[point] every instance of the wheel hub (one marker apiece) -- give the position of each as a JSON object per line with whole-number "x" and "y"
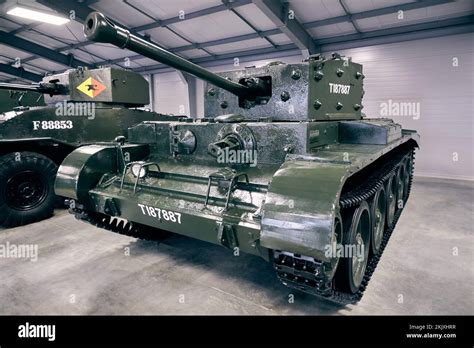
{"x": 25, "y": 190}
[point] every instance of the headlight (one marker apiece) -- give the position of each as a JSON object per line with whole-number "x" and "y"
{"x": 136, "y": 169}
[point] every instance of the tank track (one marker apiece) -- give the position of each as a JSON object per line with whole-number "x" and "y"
{"x": 307, "y": 275}
{"x": 120, "y": 226}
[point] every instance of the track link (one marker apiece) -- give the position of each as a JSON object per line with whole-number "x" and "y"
{"x": 120, "y": 226}
{"x": 307, "y": 275}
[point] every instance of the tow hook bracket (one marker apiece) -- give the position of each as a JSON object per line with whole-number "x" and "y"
{"x": 226, "y": 235}
{"x": 110, "y": 208}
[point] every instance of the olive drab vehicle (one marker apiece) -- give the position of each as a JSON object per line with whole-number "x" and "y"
{"x": 11, "y": 99}
{"x": 82, "y": 106}
{"x": 284, "y": 166}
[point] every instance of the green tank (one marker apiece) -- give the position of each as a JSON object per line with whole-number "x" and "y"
{"x": 11, "y": 99}
{"x": 43, "y": 122}
{"x": 284, "y": 166}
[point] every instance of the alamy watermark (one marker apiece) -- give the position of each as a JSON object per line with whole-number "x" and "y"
{"x": 407, "y": 109}
{"x": 229, "y": 156}
{"x": 20, "y": 251}
{"x": 337, "y": 250}
{"x": 28, "y": 330}
{"x": 65, "y": 108}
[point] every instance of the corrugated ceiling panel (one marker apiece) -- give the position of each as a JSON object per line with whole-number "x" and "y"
{"x": 6, "y": 25}
{"x": 145, "y": 61}
{"x": 280, "y": 39}
{"x": 70, "y": 32}
{"x": 193, "y": 53}
{"x": 121, "y": 12}
{"x": 166, "y": 38}
{"x": 239, "y": 46}
{"x": 355, "y": 6}
{"x": 460, "y": 8}
{"x": 417, "y": 16}
{"x": 106, "y": 51}
{"x": 47, "y": 65}
{"x": 12, "y": 52}
{"x": 216, "y": 26}
{"x": 37, "y": 68}
{"x": 256, "y": 17}
{"x": 84, "y": 56}
{"x": 332, "y": 30}
{"x": 312, "y": 10}
{"x": 167, "y": 9}
{"x": 40, "y": 39}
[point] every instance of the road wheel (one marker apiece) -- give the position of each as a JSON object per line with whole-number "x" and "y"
{"x": 400, "y": 186}
{"x": 331, "y": 267}
{"x": 378, "y": 216}
{"x": 26, "y": 188}
{"x": 390, "y": 191}
{"x": 356, "y": 237}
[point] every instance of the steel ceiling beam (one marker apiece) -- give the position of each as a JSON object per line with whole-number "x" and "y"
{"x": 346, "y": 10}
{"x": 426, "y": 26}
{"x": 278, "y": 13}
{"x": 314, "y": 24}
{"x": 40, "y": 51}
{"x": 192, "y": 15}
{"x": 226, "y": 58}
{"x": 66, "y": 6}
{"x": 377, "y": 12}
{"x": 20, "y": 72}
{"x": 453, "y": 26}
{"x": 83, "y": 10}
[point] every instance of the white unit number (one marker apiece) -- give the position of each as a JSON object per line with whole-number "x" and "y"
{"x": 160, "y": 214}
{"x": 339, "y": 89}
{"x": 64, "y": 124}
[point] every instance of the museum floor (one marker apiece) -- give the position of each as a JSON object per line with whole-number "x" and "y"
{"x": 426, "y": 269}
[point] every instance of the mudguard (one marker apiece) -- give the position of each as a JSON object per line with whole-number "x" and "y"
{"x": 82, "y": 169}
{"x": 300, "y": 207}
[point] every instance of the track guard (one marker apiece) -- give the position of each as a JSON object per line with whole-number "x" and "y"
{"x": 300, "y": 207}
{"x": 82, "y": 169}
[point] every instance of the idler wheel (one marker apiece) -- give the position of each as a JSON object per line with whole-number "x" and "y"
{"x": 356, "y": 245}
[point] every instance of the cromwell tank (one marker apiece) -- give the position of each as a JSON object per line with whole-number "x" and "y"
{"x": 82, "y": 106}
{"x": 284, "y": 166}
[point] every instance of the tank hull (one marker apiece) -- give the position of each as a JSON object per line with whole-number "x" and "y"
{"x": 287, "y": 206}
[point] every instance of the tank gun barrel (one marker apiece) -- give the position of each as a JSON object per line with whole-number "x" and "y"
{"x": 99, "y": 28}
{"x": 45, "y": 88}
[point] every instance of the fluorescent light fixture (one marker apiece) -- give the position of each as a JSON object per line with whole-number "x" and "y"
{"x": 37, "y": 15}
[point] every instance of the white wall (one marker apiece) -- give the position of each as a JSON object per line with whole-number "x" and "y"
{"x": 418, "y": 71}
{"x": 171, "y": 94}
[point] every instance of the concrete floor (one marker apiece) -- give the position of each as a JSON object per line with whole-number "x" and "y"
{"x": 84, "y": 270}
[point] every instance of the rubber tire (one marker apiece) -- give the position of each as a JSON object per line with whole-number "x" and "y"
{"x": 10, "y": 217}
{"x": 344, "y": 279}
{"x": 374, "y": 249}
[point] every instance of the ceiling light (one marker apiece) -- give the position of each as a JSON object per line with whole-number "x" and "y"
{"x": 37, "y": 15}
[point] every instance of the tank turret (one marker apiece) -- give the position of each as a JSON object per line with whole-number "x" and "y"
{"x": 316, "y": 89}
{"x": 101, "y": 85}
